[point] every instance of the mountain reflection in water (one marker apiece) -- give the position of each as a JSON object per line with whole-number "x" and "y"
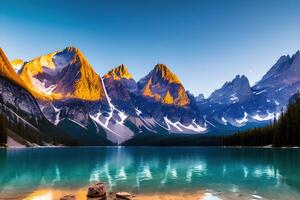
{"x": 271, "y": 173}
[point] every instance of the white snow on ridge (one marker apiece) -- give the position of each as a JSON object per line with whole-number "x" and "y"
{"x": 192, "y": 127}
{"x": 175, "y": 125}
{"x": 112, "y": 133}
{"x": 233, "y": 98}
{"x": 280, "y": 89}
{"x": 270, "y": 116}
{"x": 41, "y": 86}
{"x": 224, "y": 120}
{"x": 243, "y": 120}
{"x": 138, "y": 112}
{"x": 96, "y": 119}
{"x": 112, "y": 108}
{"x": 260, "y": 92}
{"x": 123, "y": 117}
{"x": 195, "y": 127}
{"x": 57, "y": 113}
{"x": 209, "y": 123}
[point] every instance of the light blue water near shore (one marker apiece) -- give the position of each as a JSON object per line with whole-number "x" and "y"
{"x": 269, "y": 173}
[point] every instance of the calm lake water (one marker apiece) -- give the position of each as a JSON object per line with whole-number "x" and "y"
{"x": 225, "y": 173}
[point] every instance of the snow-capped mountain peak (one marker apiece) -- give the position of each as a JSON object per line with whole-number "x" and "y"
{"x": 63, "y": 74}
{"x": 236, "y": 90}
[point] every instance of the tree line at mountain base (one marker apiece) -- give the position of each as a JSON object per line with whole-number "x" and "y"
{"x": 283, "y": 132}
{"x": 3, "y": 130}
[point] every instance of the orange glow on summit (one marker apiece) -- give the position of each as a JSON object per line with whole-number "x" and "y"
{"x": 164, "y": 86}
{"x": 119, "y": 73}
{"x": 77, "y": 79}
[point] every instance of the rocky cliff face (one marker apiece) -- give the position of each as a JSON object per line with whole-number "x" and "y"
{"x": 162, "y": 98}
{"x": 65, "y": 86}
{"x": 163, "y": 86}
{"x": 26, "y": 121}
{"x": 120, "y": 88}
{"x": 7, "y": 70}
{"x": 281, "y": 81}
{"x": 63, "y": 75}
{"x": 237, "y": 90}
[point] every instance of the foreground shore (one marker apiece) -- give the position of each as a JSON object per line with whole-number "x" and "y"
{"x": 81, "y": 194}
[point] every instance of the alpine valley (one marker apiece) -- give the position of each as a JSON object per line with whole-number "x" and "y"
{"x": 59, "y": 99}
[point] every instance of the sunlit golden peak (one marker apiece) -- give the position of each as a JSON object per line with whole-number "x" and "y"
{"x": 72, "y": 49}
{"x": 119, "y": 72}
{"x": 166, "y": 73}
{"x": 17, "y": 64}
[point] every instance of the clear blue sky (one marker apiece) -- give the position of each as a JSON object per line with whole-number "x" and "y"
{"x": 204, "y": 42}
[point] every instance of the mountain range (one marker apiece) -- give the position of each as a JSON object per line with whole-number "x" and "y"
{"x": 60, "y": 99}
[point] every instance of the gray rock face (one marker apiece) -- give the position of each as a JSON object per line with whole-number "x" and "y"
{"x": 281, "y": 81}
{"x": 97, "y": 190}
{"x": 120, "y": 91}
{"x": 200, "y": 98}
{"x": 15, "y": 96}
{"x": 237, "y": 90}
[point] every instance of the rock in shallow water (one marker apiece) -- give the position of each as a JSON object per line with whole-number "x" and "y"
{"x": 68, "y": 197}
{"x": 97, "y": 190}
{"x": 124, "y": 195}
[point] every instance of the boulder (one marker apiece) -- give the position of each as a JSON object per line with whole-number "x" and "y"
{"x": 68, "y": 197}
{"x": 97, "y": 190}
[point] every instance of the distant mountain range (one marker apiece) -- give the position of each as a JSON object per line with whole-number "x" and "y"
{"x": 63, "y": 90}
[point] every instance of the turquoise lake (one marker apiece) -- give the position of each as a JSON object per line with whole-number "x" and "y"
{"x": 225, "y": 173}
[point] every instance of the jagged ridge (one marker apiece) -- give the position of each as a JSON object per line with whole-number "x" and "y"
{"x": 63, "y": 75}
{"x": 164, "y": 86}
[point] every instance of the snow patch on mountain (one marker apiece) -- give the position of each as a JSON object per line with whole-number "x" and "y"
{"x": 269, "y": 116}
{"x": 195, "y": 127}
{"x": 138, "y": 112}
{"x": 191, "y": 128}
{"x": 243, "y": 120}
{"x": 57, "y": 114}
{"x": 42, "y": 86}
{"x": 224, "y": 120}
{"x": 173, "y": 124}
{"x": 260, "y": 92}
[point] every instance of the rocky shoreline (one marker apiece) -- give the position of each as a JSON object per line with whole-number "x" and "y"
{"x": 98, "y": 191}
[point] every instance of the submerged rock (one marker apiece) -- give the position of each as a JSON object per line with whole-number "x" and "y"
{"x": 123, "y": 195}
{"x": 68, "y": 197}
{"x": 97, "y": 190}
